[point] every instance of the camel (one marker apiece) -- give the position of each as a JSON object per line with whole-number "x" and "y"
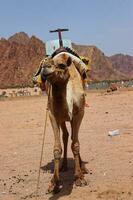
{"x": 66, "y": 102}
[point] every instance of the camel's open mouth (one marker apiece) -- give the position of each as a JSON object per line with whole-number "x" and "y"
{"x": 48, "y": 75}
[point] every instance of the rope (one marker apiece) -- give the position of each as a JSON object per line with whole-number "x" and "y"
{"x": 44, "y": 133}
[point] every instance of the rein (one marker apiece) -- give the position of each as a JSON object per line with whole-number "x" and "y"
{"x": 42, "y": 147}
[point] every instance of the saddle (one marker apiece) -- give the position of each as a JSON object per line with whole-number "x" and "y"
{"x": 81, "y": 64}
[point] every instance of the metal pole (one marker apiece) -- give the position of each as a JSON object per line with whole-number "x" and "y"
{"x": 60, "y": 39}
{"x": 59, "y": 31}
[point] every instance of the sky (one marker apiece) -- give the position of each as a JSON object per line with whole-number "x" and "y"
{"x": 107, "y": 24}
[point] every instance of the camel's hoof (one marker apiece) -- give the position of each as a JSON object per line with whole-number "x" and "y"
{"x": 57, "y": 189}
{"x": 50, "y": 189}
{"x": 54, "y": 188}
{"x": 84, "y": 170}
{"x": 80, "y": 182}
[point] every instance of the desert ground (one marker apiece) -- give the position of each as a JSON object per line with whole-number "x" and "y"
{"x": 108, "y": 158}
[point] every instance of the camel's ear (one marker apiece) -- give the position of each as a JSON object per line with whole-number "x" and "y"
{"x": 69, "y": 61}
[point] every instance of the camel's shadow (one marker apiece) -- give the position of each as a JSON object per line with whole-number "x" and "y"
{"x": 67, "y": 178}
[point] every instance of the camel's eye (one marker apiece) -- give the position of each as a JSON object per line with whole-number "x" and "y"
{"x": 48, "y": 66}
{"x": 62, "y": 66}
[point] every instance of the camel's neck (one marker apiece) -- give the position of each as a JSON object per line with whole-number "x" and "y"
{"x": 60, "y": 105}
{"x": 59, "y": 94}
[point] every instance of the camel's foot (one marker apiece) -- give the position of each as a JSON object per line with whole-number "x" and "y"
{"x": 81, "y": 182}
{"x": 54, "y": 188}
{"x": 84, "y": 169}
{"x": 64, "y": 167}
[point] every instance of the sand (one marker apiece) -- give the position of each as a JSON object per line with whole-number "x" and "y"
{"x": 109, "y": 159}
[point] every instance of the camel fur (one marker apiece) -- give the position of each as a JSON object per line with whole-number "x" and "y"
{"x": 66, "y": 103}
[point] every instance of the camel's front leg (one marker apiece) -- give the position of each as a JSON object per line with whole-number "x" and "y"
{"x": 65, "y": 142}
{"x": 55, "y": 181}
{"x": 75, "y": 124}
{"x": 83, "y": 167}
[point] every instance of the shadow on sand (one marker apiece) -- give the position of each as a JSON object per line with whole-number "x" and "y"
{"x": 67, "y": 178}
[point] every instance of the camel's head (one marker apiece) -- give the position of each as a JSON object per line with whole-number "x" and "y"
{"x": 55, "y": 70}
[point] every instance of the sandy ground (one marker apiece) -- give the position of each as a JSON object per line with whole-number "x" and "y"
{"x": 110, "y": 159}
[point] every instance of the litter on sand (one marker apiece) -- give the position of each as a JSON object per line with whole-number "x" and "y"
{"x": 114, "y": 133}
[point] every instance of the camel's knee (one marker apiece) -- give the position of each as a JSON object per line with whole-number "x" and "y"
{"x": 57, "y": 153}
{"x": 75, "y": 148}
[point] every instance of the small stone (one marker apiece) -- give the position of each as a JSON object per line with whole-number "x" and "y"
{"x": 14, "y": 193}
{"x": 3, "y": 193}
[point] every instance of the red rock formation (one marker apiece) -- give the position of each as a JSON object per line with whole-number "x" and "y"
{"x": 20, "y": 56}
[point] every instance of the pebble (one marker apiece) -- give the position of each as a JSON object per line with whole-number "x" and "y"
{"x": 3, "y": 192}
{"x": 26, "y": 175}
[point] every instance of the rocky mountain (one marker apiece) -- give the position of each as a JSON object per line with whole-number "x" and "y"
{"x": 101, "y": 66}
{"x": 20, "y": 38}
{"x": 123, "y": 63}
{"x": 20, "y": 56}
